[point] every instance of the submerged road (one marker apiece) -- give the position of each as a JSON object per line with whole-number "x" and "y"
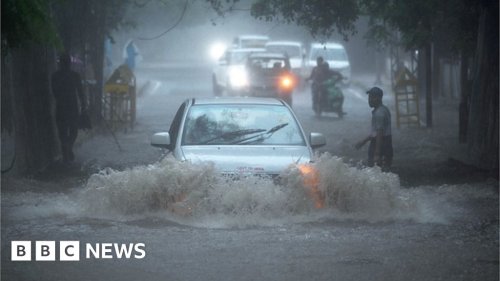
{"x": 375, "y": 228}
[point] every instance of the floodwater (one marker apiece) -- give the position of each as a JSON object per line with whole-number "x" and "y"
{"x": 198, "y": 225}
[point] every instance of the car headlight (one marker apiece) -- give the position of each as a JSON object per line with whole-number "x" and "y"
{"x": 238, "y": 78}
{"x": 217, "y": 50}
{"x": 311, "y": 182}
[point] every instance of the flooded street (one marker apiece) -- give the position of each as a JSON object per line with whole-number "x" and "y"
{"x": 198, "y": 225}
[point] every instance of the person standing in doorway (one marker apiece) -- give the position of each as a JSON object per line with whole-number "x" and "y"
{"x": 380, "y": 151}
{"x": 68, "y": 93}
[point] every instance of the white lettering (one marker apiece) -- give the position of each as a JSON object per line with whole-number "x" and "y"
{"x": 123, "y": 249}
{"x": 107, "y": 250}
{"x": 92, "y": 250}
{"x": 141, "y": 249}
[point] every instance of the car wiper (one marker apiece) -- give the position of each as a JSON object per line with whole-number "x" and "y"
{"x": 234, "y": 134}
{"x": 261, "y": 136}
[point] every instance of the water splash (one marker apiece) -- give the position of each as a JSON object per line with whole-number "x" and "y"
{"x": 197, "y": 190}
{"x": 197, "y": 195}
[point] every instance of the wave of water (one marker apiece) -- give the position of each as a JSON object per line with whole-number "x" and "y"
{"x": 196, "y": 194}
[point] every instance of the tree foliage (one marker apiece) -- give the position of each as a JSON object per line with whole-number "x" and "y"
{"x": 417, "y": 21}
{"x": 25, "y": 21}
{"x": 453, "y": 22}
{"x": 322, "y": 17}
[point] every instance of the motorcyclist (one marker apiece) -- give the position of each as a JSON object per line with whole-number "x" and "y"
{"x": 318, "y": 75}
{"x": 330, "y": 92}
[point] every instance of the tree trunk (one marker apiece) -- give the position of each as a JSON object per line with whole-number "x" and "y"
{"x": 32, "y": 103}
{"x": 482, "y": 137}
{"x": 428, "y": 85}
{"x": 463, "y": 108}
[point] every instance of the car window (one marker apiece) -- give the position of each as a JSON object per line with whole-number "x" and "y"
{"x": 238, "y": 57}
{"x": 291, "y": 51}
{"x": 241, "y": 125}
{"x": 267, "y": 63}
{"x": 329, "y": 54}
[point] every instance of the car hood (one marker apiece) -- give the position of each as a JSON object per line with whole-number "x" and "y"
{"x": 270, "y": 160}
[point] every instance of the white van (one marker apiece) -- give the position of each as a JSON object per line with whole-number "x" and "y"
{"x": 335, "y": 55}
{"x": 250, "y": 41}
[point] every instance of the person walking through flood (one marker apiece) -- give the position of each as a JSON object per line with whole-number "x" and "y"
{"x": 68, "y": 93}
{"x": 380, "y": 151}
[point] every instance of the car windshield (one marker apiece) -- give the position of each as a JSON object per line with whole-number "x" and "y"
{"x": 290, "y": 50}
{"x": 241, "y": 125}
{"x": 257, "y": 63}
{"x": 329, "y": 54}
{"x": 238, "y": 57}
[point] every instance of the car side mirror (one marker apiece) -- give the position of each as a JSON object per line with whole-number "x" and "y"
{"x": 317, "y": 140}
{"x": 161, "y": 140}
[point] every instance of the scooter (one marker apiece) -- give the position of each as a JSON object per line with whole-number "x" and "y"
{"x": 328, "y": 97}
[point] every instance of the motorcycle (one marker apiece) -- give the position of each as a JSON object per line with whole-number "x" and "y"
{"x": 328, "y": 96}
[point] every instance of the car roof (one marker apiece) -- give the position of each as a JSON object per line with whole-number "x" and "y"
{"x": 246, "y": 50}
{"x": 329, "y": 45}
{"x": 252, "y": 37}
{"x": 287, "y": 43}
{"x": 237, "y": 100}
{"x": 267, "y": 55}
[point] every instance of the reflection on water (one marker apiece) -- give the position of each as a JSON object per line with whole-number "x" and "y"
{"x": 197, "y": 195}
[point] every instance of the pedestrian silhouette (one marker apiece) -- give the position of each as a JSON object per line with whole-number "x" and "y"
{"x": 131, "y": 54}
{"x": 68, "y": 93}
{"x": 380, "y": 151}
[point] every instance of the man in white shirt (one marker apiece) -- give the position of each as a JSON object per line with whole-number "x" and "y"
{"x": 380, "y": 151}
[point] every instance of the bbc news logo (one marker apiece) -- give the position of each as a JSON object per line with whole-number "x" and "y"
{"x": 70, "y": 250}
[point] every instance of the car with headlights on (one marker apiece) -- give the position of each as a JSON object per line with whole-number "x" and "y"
{"x": 241, "y": 136}
{"x": 270, "y": 75}
{"x": 228, "y": 76}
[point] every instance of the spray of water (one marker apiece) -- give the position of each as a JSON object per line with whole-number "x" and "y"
{"x": 197, "y": 195}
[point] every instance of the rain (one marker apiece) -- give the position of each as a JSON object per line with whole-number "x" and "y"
{"x": 432, "y": 216}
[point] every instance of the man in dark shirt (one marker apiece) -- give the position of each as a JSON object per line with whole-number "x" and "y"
{"x": 380, "y": 151}
{"x": 68, "y": 93}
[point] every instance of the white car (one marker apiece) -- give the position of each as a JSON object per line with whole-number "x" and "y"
{"x": 240, "y": 135}
{"x": 293, "y": 50}
{"x": 229, "y": 72}
{"x": 270, "y": 75}
{"x": 336, "y": 57}
{"x": 250, "y": 41}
